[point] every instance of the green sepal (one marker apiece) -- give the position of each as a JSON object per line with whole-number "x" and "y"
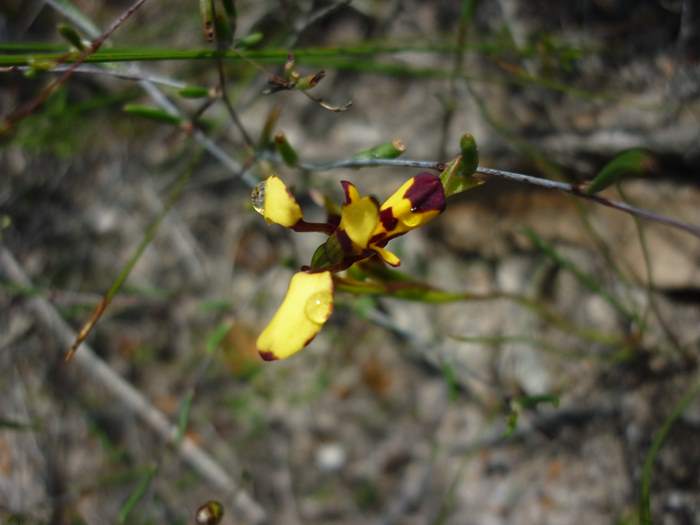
{"x": 454, "y": 181}
{"x": 329, "y": 254}
{"x": 387, "y": 150}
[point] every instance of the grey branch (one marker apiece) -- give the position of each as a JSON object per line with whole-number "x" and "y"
{"x": 100, "y": 372}
{"x": 565, "y": 187}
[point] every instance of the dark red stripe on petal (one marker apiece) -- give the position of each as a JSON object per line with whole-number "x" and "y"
{"x": 426, "y": 193}
{"x": 387, "y": 219}
{"x": 377, "y": 238}
{"x": 268, "y": 356}
{"x": 346, "y": 189}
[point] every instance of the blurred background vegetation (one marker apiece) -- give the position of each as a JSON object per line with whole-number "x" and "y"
{"x": 559, "y": 388}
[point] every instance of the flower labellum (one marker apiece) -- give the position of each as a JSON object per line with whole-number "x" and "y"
{"x": 304, "y": 310}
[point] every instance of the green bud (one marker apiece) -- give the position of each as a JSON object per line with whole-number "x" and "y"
{"x": 388, "y": 150}
{"x": 470, "y": 154}
{"x": 153, "y": 113}
{"x": 309, "y": 81}
{"x": 71, "y": 35}
{"x": 286, "y": 151}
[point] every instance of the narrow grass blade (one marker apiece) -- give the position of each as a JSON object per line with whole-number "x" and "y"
{"x": 183, "y": 416}
{"x": 657, "y": 443}
{"x": 582, "y": 277}
{"x": 137, "y": 495}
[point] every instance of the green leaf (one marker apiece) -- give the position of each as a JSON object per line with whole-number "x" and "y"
{"x": 71, "y": 35}
{"x": 388, "y": 150}
{"x": 153, "y": 113}
{"x": 249, "y": 40}
{"x": 408, "y": 291}
{"x": 286, "y": 150}
{"x": 632, "y": 162}
{"x": 194, "y": 92}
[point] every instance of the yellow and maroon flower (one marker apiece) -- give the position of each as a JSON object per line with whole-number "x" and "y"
{"x": 363, "y": 230}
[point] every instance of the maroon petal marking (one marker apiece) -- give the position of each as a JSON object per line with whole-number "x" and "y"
{"x": 345, "y": 184}
{"x": 268, "y": 356}
{"x": 377, "y": 238}
{"x": 426, "y": 193}
{"x": 386, "y": 217}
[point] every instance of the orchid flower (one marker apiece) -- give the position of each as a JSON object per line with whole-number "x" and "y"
{"x": 362, "y": 231}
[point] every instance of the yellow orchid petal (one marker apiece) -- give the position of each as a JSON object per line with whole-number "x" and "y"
{"x": 304, "y": 310}
{"x": 359, "y": 219}
{"x": 278, "y": 204}
{"x": 351, "y": 192}
{"x": 387, "y": 256}
{"x": 417, "y": 201}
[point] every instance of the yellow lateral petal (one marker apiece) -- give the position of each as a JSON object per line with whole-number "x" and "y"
{"x": 280, "y": 206}
{"x": 388, "y": 257}
{"x": 359, "y": 220}
{"x": 304, "y": 310}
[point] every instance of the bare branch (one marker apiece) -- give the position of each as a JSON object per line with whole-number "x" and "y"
{"x": 565, "y": 187}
